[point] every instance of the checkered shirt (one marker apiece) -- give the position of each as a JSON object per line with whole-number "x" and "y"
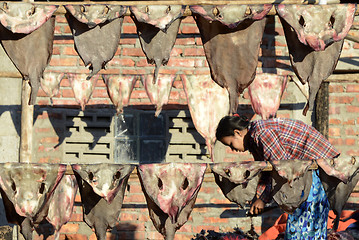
{"x": 286, "y": 139}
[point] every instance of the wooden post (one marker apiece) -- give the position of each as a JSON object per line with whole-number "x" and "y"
{"x": 322, "y": 109}
{"x": 27, "y": 118}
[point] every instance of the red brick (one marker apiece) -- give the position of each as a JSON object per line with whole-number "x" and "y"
{"x": 139, "y": 94}
{"x": 49, "y": 140}
{"x": 188, "y": 19}
{"x": 349, "y": 122}
{"x": 335, "y": 88}
{"x": 56, "y": 51}
{"x": 176, "y": 52}
{"x": 209, "y": 190}
{"x": 220, "y": 201}
{"x": 197, "y": 229}
{"x": 185, "y": 41}
{"x": 100, "y": 83}
{"x": 352, "y": 109}
{"x": 142, "y": 63}
{"x": 350, "y": 141}
{"x": 341, "y": 99}
{"x": 194, "y": 52}
{"x": 199, "y": 41}
{"x": 181, "y": 62}
{"x": 60, "y": 102}
{"x": 154, "y": 236}
{"x": 44, "y": 160}
{"x": 78, "y": 198}
{"x": 334, "y": 110}
{"x": 336, "y": 141}
{"x": 65, "y": 82}
{"x": 67, "y": 29}
{"x": 60, "y": 19}
{"x": 167, "y": 71}
{"x": 110, "y": 71}
{"x": 354, "y": 194}
{"x": 182, "y": 236}
{"x": 43, "y": 102}
{"x": 279, "y": 31}
{"x": 334, "y": 132}
{"x": 93, "y": 236}
{"x": 41, "y": 93}
{"x": 280, "y": 43}
{"x": 135, "y": 189}
{"x": 76, "y": 217}
{"x": 100, "y": 93}
{"x": 67, "y": 93}
{"x": 137, "y": 198}
{"x": 69, "y": 51}
{"x": 128, "y": 216}
{"x": 137, "y": 52}
{"x": 129, "y": 29}
{"x": 215, "y": 220}
{"x": 93, "y": 102}
{"x": 283, "y": 115}
{"x": 43, "y": 130}
{"x": 131, "y": 71}
{"x": 127, "y": 19}
{"x": 351, "y": 132}
{"x": 76, "y": 237}
{"x": 335, "y": 121}
{"x": 121, "y": 62}
{"x": 63, "y": 61}
{"x": 70, "y": 228}
{"x": 128, "y": 41}
{"x": 189, "y": 29}
{"x": 352, "y": 88}
{"x": 178, "y": 84}
{"x": 63, "y": 41}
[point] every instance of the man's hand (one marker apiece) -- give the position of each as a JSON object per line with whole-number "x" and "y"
{"x": 257, "y": 207}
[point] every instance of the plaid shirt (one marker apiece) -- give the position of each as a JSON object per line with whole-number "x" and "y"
{"x": 285, "y": 139}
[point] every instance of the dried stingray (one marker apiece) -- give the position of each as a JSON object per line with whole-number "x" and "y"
{"x": 238, "y": 180}
{"x": 207, "y": 103}
{"x": 27, "y": 29}
{"x": 337, "y": 191}
{"x": 157, "y": 28}
{"x": 50, "y": 83}
{"x": 119, "y": 88}
{"x": 231, "y": 38}
{"x": 82, "y": 88}
{"x": 290, "y": 196}
{"x": 96, "y": 30}
{"x": 291, "y": 169}
{"x": 265, "y": 93}
{"x": 26, "y": 190}
{"x": 315, "y": 36}
{"x": 24, "y": 17}
{"x": 171, "y": 191}
{"x": 102, "y": 189}
{"x": 158, "y": 93}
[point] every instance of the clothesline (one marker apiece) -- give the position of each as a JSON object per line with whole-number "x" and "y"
{"x": 61, "y": 10}
{"x": 268, "y": 168}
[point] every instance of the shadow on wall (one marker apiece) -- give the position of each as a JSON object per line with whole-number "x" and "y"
{"x": 124, "y": 231}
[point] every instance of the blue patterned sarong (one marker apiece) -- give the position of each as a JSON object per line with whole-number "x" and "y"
{"x": 309, "y": 221}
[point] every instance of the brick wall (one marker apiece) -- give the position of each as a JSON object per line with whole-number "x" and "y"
{"x": 212, "y": 210}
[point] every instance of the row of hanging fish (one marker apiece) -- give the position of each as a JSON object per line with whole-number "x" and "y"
{"x": 34, "y": 192}
{"x": 231, "y": 36}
